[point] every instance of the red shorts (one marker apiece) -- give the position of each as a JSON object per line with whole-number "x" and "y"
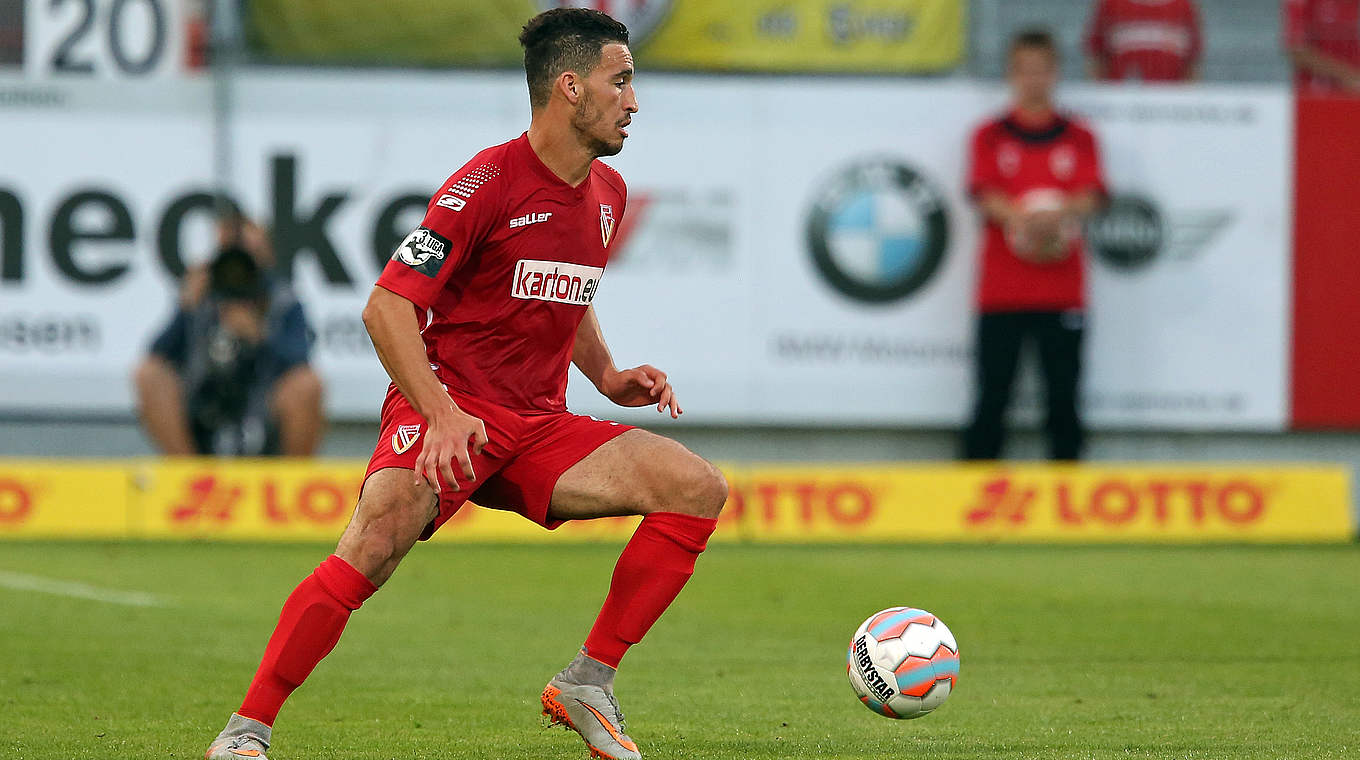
{"x": 518, "y": 468}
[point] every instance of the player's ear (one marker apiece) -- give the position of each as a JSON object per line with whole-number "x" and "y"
{"x": 570, "y": 86}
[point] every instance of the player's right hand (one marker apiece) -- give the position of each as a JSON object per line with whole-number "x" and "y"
{"x": 447, "y": 437}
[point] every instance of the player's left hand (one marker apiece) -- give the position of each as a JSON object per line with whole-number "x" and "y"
{"x": 641, "y": 386}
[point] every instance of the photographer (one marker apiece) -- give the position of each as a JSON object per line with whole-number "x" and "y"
{"x": 229, "y": 376}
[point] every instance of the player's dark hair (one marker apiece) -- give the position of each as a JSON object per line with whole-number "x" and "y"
{"x": 1035, "y": 38}
{"x": 565, "y": 39}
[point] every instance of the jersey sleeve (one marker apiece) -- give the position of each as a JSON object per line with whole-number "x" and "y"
{"x": 459, "y": 217}
{"x": 983, "y": 172}
{"x": 1295, "y": 23}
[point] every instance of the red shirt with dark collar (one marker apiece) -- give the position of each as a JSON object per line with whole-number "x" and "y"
{"x": 1020, "y": 160}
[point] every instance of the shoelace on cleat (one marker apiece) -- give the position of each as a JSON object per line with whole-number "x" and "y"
{"x": 618, "y": 712}
{"x": 238, "y": 742}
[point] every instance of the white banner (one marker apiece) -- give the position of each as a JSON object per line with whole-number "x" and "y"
{"x": 103, "y": 39}
{"x": 794, "y": 251}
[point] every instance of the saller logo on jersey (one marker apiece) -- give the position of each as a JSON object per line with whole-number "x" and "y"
{"x": 423, "y": 250}
{"x": 555, "y": 281}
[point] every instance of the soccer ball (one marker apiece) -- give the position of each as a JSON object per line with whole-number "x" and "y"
{"x": 903, "y": 662}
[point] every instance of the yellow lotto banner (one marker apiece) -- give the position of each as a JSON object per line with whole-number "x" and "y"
{"x": 298, "y": 501}
{"x": 46, "y": 498}
{"x": 1042, "y": 503}
{"x": 292, "y": 501}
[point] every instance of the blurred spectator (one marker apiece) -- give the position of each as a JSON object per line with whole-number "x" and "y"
{"x": 1322, "y": 38}
{"x": 229, "y": 375}
{"x": 1035, "y": 175}
{"x": 197, "y": 34}
{"x": 11, "y": 32}
{"x": 1148, "y": 40}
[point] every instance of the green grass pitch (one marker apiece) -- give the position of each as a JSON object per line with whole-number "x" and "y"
{"x": 1084, "y": 652}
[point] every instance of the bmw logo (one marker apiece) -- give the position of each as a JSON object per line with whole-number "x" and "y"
{"x": 879, "y": 231}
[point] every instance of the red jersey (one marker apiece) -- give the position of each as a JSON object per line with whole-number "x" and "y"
{"x": 1330, "y": 26}
{"x": 1151, "y": 40}
{"x": 501, "y": 272}
{"x": 1026, "y": 162}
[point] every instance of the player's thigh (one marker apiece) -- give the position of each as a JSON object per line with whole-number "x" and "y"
{"x": 392, "y": 513}
{"x": 638, "y": 473}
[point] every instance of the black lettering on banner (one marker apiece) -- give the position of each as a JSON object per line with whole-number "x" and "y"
{"x": 62, "y": 58}
{"x": 293, "y": 234}
{"x": 64, "y": 234}
{"x": 390, "y": 229}
{"x": 11, "y": 237}
{"x": 48, "y": 333}
{"x": 168, "y": 234}
{"x": 155, "y": 49}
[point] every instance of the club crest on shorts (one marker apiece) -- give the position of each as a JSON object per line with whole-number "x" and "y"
{"x": 405, "y": 438}
{"x": 606, "y": 223}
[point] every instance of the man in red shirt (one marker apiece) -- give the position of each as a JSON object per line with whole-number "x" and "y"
{"x": 1150, "y": 40}
{"x": 476, "y": 318}
{"x": 1322, "y": 38}
{"x": 1035, "y": 175}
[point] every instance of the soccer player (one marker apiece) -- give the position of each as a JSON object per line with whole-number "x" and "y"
{"x": 476, "y": 319}
{"x": 1035, "y": 175}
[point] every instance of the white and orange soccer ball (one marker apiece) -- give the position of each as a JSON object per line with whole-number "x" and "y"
{"x": 903, "y": 662}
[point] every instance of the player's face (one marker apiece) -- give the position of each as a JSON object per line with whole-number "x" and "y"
{"x": 1033, "y": 76}
{"x": 608, "y": 103}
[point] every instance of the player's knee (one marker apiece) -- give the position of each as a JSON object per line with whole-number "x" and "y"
{"x": 371, "y": 551}
{"x": 705, "y": 490}
{"x": 381, "y": 533}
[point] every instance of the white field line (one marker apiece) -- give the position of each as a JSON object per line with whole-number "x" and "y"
{"x": 25, "y": 582}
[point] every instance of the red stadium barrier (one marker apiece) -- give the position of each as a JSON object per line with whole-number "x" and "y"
{"x": 1326, "y": 353}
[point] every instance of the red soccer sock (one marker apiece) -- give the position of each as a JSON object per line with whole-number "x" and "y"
{"x": 654, "y": 566}
{"x": 309, "y": 625}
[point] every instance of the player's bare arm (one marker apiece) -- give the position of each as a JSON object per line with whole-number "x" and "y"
{"x": 997, "y": 206}
{"x": 395, "y": 330}
{"x": 1082, "y": 204}
{"x": 1309, "y": 58}
{"x": 1045, "y": 223}
{"x": 638, "y": 386}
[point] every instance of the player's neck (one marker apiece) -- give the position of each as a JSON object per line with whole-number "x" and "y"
{"x": 1037, "y": 114}
{"x": 561, "y": 153}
